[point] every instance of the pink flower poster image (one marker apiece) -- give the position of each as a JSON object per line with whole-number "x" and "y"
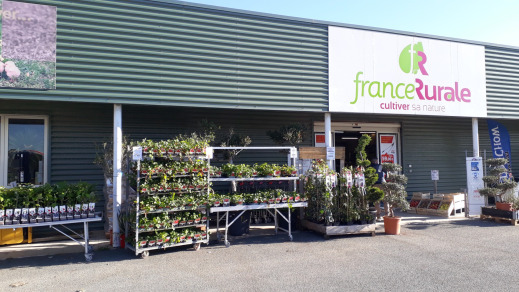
{"x": 28, "y": 46}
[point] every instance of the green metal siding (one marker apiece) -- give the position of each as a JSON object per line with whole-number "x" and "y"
{"x": 436, "y": 143}
{"x": 146, "y": 52}
{"x": 502, "y": 73}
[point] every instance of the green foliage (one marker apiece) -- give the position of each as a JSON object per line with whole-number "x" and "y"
{"x": 360, "y": 151}
{"x": 29, "y": 196}
{"x": 374, "y": 194}
{"x": 394, "y": 188}
{"x": 292, "y": 134}
{"x": 498, "y": 183}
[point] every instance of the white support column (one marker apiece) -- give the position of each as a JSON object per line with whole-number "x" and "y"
{"x": 328, "y": 134}
{"x": 475, "y": 137}
{"x": 118, "y": 174}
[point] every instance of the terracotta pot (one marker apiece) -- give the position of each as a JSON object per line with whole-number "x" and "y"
{"x": 392, "y": 225}
{"x": 504, "y": 206}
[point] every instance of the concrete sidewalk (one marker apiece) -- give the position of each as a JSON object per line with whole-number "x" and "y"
{"x": 99, "y": 241}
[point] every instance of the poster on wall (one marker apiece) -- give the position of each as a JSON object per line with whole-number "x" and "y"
{"x": 388, "y": 148}
{"x": 474, "y": 184}
{"x": 28, "y": 45}
{"x": 384, "y": 73}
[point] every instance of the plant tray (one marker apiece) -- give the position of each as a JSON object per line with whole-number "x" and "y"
{"x": 499, "y": 215}
{"x": 328, "y": 231}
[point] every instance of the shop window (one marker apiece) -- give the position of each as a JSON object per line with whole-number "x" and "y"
{"x": 24, "y": 150}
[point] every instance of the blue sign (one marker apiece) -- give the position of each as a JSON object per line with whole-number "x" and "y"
{"x": 500, "y": 141}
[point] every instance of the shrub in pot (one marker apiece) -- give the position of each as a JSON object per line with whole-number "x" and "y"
{"x": 499, "y": 184}
{"x": 394, "y": 196}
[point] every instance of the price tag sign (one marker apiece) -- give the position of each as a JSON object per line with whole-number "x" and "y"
{"x": 435, "y": 175}
{"x": 209, "y": 152}
{"x": 293, "y": 153}
{"x": 330, "y": 153}
{"x": 137, "y": 153}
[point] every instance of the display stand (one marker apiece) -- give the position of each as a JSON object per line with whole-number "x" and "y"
{"x": 272, "y": 209}
{"x": 243, "y": 208}
{"x": 54, "y": 225}
{"x": 143, "y": 249}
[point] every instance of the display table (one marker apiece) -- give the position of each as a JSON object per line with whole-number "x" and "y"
{"x": 243, "y": 208}
{"x": 54, "y": 225}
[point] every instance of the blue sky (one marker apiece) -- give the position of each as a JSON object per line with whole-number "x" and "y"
{"x": 491, "y": 21}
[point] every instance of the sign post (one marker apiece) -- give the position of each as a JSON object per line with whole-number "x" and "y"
{"x": 435, "y": 177}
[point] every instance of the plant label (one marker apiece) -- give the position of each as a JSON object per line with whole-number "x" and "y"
{"x": 77, "y": 211}
{"x": 55, "y": 213}
{"x": 25, "y": 215}
{"x": 91, "y": 210}
{"x": 8, "y": 216}
{"x": 48, "y": 214}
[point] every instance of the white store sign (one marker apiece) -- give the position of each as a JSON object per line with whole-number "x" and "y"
{"x": 374, "y": 72}
{"x": 474, "y": 184}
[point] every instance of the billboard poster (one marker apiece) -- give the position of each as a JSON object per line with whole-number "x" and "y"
{"x": 474, "y": 184}
{"x": 28, "y": 45}
{"x": 388, "y": 148}
{"x": 384, "y": 73}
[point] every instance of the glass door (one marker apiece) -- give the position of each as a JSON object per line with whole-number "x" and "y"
{"x": 25, "y": 155}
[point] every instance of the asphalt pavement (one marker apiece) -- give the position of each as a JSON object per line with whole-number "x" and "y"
{"x": 430, "y": 255}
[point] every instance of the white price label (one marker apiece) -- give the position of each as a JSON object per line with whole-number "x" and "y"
{"x": 209, "y": 152}
{"x": 435, "y": 175}
{"x": 293, "y": 153}
{"x": 137, "y": 153}
{"x": 330, "y": 153}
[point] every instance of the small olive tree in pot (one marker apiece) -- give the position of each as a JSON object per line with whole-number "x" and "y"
{"x": 395, "y": 196}
{"x": 499, "y": 185}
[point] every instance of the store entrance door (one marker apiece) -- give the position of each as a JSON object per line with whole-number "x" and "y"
{"x": 349, "y": 140}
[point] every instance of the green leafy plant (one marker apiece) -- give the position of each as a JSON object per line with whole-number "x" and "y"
{"x": 498, "y": 183}
{"x": 292, "y": 134}
{"x": 394, "y": 188}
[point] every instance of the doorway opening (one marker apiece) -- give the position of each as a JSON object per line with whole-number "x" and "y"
{"x": 349, "y": 140}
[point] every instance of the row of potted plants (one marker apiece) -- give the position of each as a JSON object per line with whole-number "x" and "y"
{"x": 171, "y": 238}
{"x": 256, "y": 170}
{"x": 170, "y": 221}
{"x": 275, "y": 196}
{"x": 172, "y": 203}
{"x": 179, "y": 146}
{"x": 35, "y": 204}
{"x": 151, "y": 168}
{"x": 176, "y": 185}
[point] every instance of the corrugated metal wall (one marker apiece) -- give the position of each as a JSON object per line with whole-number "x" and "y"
{"x": 502, "y": 72}
{"x": 148, "y": 52}
{"x": 432, "y": 143}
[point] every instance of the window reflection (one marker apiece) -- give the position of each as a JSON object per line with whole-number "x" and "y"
{"x": 25, "y": 151}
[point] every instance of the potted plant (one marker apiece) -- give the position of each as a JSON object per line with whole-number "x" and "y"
{"x": 394, "y": 196}
{"x": 499, "y": 184}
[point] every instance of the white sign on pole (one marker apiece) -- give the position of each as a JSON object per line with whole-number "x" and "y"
{"x": 330, "y": 153}
{"x": 435, "y": 174}
{"x": 209, "y": 152}
{"x": 293, "y": 153}
{"x": 474, "y": 184}
{"x": 137, "y": 153}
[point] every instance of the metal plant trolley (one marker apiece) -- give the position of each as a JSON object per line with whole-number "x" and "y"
{"x": 88, "y": 248}
{"x": 143, "y": 251}
{"x": 272, "y": 209}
